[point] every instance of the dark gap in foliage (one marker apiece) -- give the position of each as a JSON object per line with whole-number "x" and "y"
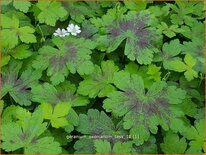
{"x": 159, "y": 139}
{"x": 191, "y": 119}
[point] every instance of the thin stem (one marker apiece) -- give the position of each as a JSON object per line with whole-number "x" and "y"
{"x": 42, "y": 34}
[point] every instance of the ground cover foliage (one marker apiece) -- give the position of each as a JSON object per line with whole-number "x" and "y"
{"x": 102, "y": 77}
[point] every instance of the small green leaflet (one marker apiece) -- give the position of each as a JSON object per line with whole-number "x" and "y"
{"x": 170, "y": 31}
{"x": 56, "y": 115}
{"x": 196, "y": 49}
{"x": 11, "y": 32}
{"x": 186, "y": 67}
{"x": 27, "y": 135}
{"x": 100, "y": 82}
{"x": 71, "y": 55}
{"x": 49, "y": 12}
{"x": 170, "y": 52}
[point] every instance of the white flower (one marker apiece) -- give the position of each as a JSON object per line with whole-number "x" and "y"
{"x": 73, "y": 29}
{"x": 61, "y": 33}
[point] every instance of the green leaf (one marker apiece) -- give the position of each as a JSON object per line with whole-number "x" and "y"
{"x": 72, "y": 54}
{"x": 142, "y": 111}
{"x": 196, "y": 49}
{"x": 102, "y": 146}
{"x": 12, "y": 32}
{"x": 169, "y": 31}
{"x": 173, "y": 144}
{"x": 177, "y": 65}
{"x": 18, "y": 87}
{"x": 65, "y": 92}
{"x": 26, "y": 34}
{"x": 27, "y": 136}
{"x": 129, "y": 28}
{"x": 78, "y": 11}
{"x": 190, "y": 74}
{"x": 20, "y": 52}
{"x": 56, "y": 115}
{"x": 1, "y": 106}
{"x": 15, "y": 114}
{"x": 196, "y": 136}
{"x": 154, "y": 72}
{"x": 170, "y": 53}
{"x": 189, "y": 107}
{"x": 136, "y": 6}
{"x": 84, "y": 146}
{"x": 183, "y": 12}
{"x": 22, "y": 5}
{"x": 97, "y": 124}
{"x": 148, "y": 147}
{"x": 50, "y": 12}
{"x": 100, "y": 82}
{"x": 120, "y": 148}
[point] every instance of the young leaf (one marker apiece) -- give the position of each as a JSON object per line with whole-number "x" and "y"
{"x": 50, "y": 12}
{"x": 179, "y": 66}
{"x": 154, "y": 72}
{"x": 56, "y": 115}
{"x": 173, "y": 144}
{"x": 27, "y": 135}
{"x": 170, "y": 53}
{"x": 142, "y": 111}
{"x": 18, "y": 87}
{"x": 196, "y": 49}
{"x": 100, "y": 82}
{"x": 12, "y": 32}
{"x": 190, "y": 74}
{"x": 183, "y": 13}
{"x": 72, "y": 54}
{"x": 169, "y": 31}
{"x": 47, "y": 93}
{"x": 131, "y": 28}
{"x": 22, "y": 5}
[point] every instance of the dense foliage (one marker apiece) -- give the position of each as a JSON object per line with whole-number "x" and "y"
{"x": 102, "y": 77}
